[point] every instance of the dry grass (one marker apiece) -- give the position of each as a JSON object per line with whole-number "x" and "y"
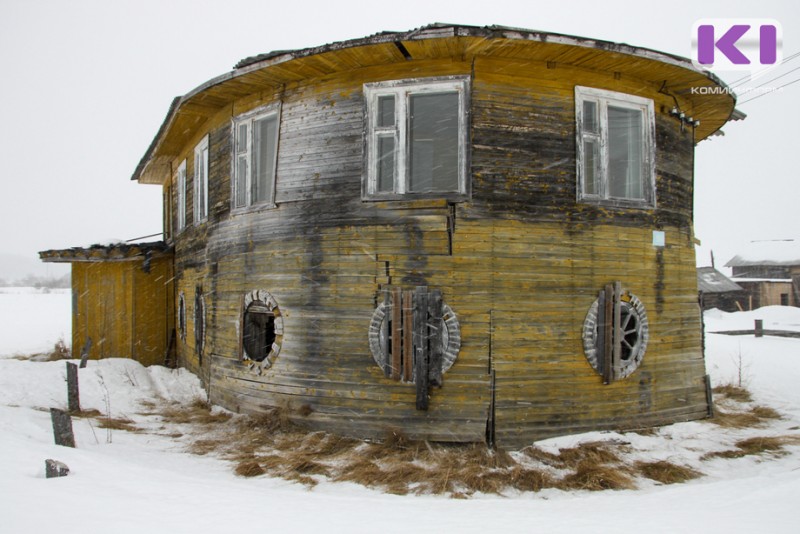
{"x": 756, "y": 446}
{"x": 271, "y": 445}
{"x": 666, "y": 472}
{"x": 60, "y": 352}
{"x": 198, "y": 412}
{"x": 735, "y": 393}
{"x": 598, "y": 477}
{"x": 249, "y": 468}
{"x": 117, "y": 423}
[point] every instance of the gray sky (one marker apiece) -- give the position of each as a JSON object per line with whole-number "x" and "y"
{"x": 86, "y": 84}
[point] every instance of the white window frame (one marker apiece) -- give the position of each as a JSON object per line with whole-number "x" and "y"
{"x": 201, "y": 157}
{"x": 401, "y": 90}
{"x": 247, "y": 120}
{"x": 180, "y": 184}
{"x": 603, "y": 98}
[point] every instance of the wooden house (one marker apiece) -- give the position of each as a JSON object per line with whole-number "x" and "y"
{"x": 463, "y": 233}
{"x": 769, "y": 272}
{"x": 718, "y": 291}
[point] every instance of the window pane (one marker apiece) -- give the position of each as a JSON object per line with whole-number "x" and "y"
{"x": 386, "y": 158}
{"x": 589, "y": 116}
{"x": 433, "y": 142}
{"x": 265, "y": 144}
{"x": 625, "y": 153}
{"x": 241, "y": 139}
{"x": 241, "y": 181}
{"x": 386, "y": 110}
{"x": 591, "y": 167}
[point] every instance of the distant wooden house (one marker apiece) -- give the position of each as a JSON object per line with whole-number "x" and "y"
{"x": 464, "y": 233}
{"x": 769, "y": 272}
{"x": 718, "y": 291}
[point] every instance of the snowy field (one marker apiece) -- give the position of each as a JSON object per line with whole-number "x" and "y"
{"x": 146, "y": 482}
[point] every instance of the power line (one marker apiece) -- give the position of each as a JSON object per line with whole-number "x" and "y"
{"x": 776, "y": 78}
{"x": 745, "y": 79}
{"x": 763, "y": 94}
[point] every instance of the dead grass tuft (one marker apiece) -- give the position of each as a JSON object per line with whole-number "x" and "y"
{"x": 736, "y": 393}
{"x": 249, "y": 468}
{"x": 597, "y": 477}
{"x": 755, "y": 446}
{"x": 590, "y": 452}
{"x": 87, "y": 413}
{"x": 753, "y": 417}
{"x": 202, "y": 447}
{"x": 199, "y": 412}
{"x": 118, "y": 423}
{"x": 666, "y": 472}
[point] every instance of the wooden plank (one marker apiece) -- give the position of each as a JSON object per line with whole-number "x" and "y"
{"x": 435, "y": 336}
{"x": 408, "y": 336}
{"x": 421, "y": 351}
{"x": 397, "y": 332}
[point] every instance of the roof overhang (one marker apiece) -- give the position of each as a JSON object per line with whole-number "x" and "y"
{"x": 700, "y": 92}
{"x": 105, "y": 253}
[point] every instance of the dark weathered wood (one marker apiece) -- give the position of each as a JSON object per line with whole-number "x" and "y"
{"x": 397, "y": 332}
{"x": 408, "y": 336}
{"x": 385, "y": 333}
{"x": 73, "y": 391}
{"x": 709, "y": 395}
{"x": 435, "y": 326}
{"x": 85, "y": 352}
{"x": 170, "y": 360}
{"x": 759, "y": 328}
{"x": 55, "y": 469}
{"x": 62, "y": 428}
{"x": 617, "y": 335}
{"x": 421, "y": 349}
{"x": 608, "y": 334}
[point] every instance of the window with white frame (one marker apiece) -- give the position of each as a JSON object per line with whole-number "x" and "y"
{"x": 416, "y": 138}
{"x": 255, "y": 154}
{"x": 201, "y": 181}
{"x": 615, "y": 148}
{"x": 180, "y": 221}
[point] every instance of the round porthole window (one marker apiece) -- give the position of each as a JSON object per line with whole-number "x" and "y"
{"x": 262, "y": 329}
{"x": 630, "y": 325}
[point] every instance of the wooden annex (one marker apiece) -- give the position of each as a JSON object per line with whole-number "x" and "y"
{"x": 122, "y": 299}
{"x": 463, "y": 233}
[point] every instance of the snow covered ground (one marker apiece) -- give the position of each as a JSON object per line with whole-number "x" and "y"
{"x": 146, "y": 482}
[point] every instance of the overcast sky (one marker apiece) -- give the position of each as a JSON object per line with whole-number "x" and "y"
{"x": 86, "y": 85}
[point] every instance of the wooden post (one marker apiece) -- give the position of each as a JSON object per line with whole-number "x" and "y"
{"x": 62, "y": 428}
{"x": 85, "y": 352}
{"x": 73, "y": 394}
{"x": 54, "y": 469}
{"x": 759, "y": 329}
{"x": 421, "y": 363}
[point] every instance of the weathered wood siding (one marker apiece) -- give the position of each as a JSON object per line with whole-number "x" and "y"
{"x": 520, "y": 264}
{"x": 127, "y": 312}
